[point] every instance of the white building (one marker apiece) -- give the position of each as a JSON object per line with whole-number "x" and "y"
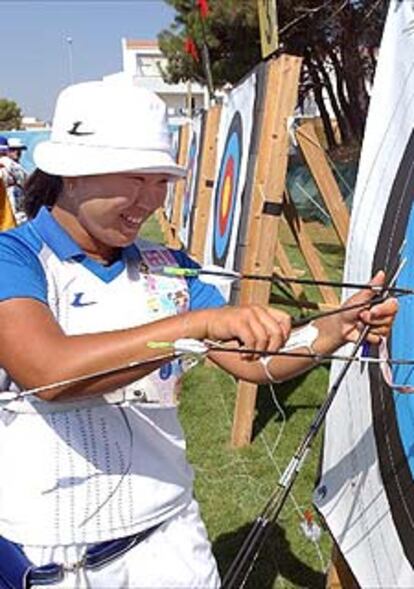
{"x": 142, "y": 62}
{"x": 32, "y": 124}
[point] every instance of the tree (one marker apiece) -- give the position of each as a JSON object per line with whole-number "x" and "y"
{"x": 230, "y": 31}
{"x": 337, "y": 39}
{"x": 10, "y": 115}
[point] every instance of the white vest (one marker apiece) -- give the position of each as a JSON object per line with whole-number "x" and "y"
{"x": 105, "y": 468}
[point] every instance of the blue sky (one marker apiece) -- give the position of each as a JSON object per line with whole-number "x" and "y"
{"x": 35, "y": 56}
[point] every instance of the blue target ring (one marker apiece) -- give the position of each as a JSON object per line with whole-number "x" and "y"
{"x": 392, "y": 410}
{"x": 226, "y": 191}
{"x": 166, "y": 371}
{"x": 191, "y": 174}
{"x": 402, "y": 346}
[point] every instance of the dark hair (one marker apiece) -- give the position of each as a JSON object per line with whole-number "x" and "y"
{"x": 41, "y": 189}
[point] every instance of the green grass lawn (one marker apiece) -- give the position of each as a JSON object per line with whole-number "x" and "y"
{"x": 232, "y": 485}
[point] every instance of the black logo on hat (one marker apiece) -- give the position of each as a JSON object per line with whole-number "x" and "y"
{"x": 74, "y": 130}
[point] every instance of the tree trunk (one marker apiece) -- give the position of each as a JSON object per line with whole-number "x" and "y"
{"x": 353, "y": 70}
{"x": 342, "y": 122}
{"x": 317, "y": 90}
{"x": 341, "y": 91}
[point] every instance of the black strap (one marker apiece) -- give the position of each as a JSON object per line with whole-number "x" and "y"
{"x": 274, "y": 209}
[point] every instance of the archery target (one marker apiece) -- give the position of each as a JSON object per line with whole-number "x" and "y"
{"x": 366, "y": 490}
{"x": 169, "y": 199}
{"x": 235, "y": 139}
{"x": 226, "y": 190}
{"x": 393, "y": 411}
{"x": 192, "y": 180}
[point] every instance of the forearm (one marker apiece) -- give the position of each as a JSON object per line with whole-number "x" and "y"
{"x": 329, "y": 336}
{"x": 47, "y": 355}
{"x": 325, "y": 337}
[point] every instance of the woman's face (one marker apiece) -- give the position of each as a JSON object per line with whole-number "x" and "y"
{"x": 112, "y": 207}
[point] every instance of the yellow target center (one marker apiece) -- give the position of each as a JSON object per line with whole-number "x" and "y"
{"x": 225, "y": 200}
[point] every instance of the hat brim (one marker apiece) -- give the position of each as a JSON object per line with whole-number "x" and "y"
{"x": 83, "y": 160}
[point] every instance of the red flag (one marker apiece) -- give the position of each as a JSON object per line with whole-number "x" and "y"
{"x": 203, "y": 7}
{"x": 191, "y": 48}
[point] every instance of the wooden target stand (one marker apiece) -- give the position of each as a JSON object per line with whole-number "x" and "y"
{"x": 207, "y": 165}
{"x": 262, "y": 238}
{"x": 265, "y": 212}
{"x": 270, "y": 205}
{"x": 315, "y": 157}
{"x": 204, "y": 189}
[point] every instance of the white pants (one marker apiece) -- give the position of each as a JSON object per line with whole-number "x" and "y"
{"x": 177, "y": 555}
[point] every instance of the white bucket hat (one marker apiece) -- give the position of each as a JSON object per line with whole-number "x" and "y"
{"x": 99, "y": 128}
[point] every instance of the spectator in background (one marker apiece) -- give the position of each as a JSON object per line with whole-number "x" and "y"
{"x": 7, "y": 220}
{"x": 15, "y": 148}
{"x": 13, "y": 175}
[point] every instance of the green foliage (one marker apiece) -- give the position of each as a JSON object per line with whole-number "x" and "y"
{"x": 337, "y": 39}
{"x": 10, "y": 115}
{"x": 151, "y": 230}
{"x": 231, "y": 33}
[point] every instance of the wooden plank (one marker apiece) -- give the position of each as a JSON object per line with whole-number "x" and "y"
{"x": 276, "y": 299}
{"x": 207, "y": 173}
{"x": 287, "y": 270}
{"x": 165, "y": 227}
{"x": 339, "y": 574}
{"x": 317, "y": 161}
{"x": 262, "y": 233}
{"x": 309, "y": 251}
{"x": 179, "y": 187}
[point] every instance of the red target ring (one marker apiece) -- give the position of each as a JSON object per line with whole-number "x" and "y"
{"x": 225, "y": 196}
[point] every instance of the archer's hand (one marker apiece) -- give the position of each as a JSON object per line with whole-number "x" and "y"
{"x": 253, "y": 326}
{"x": 380, "y": 317}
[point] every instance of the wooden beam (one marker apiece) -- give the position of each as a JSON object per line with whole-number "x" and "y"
{"x": 317, "y": 161}
{"x": 179, "y": 187}
{"x": 287, "y": 270}
{"x": 165, "y": 227}
{"x": 268, "y": 186}
{"x": 339, "y": 574}
{"x": 309, "y": 251}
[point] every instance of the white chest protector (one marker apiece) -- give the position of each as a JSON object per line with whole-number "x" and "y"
{"x": 83, "y": 302}
{"x": 86, "y": 472}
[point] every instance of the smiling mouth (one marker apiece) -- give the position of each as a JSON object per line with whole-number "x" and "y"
{"x": 130, "y": 221}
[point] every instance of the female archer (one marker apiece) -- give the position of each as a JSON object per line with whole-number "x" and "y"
{"x": 95, "y": 488}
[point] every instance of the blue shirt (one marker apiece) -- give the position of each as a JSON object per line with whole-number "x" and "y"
{"x": 22, "y": 275}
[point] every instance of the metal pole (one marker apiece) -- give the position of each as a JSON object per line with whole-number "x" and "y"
{"x": 69, "y": 41}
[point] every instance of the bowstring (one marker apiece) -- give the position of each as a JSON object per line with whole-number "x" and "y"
{"x": 17, "y": 395}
